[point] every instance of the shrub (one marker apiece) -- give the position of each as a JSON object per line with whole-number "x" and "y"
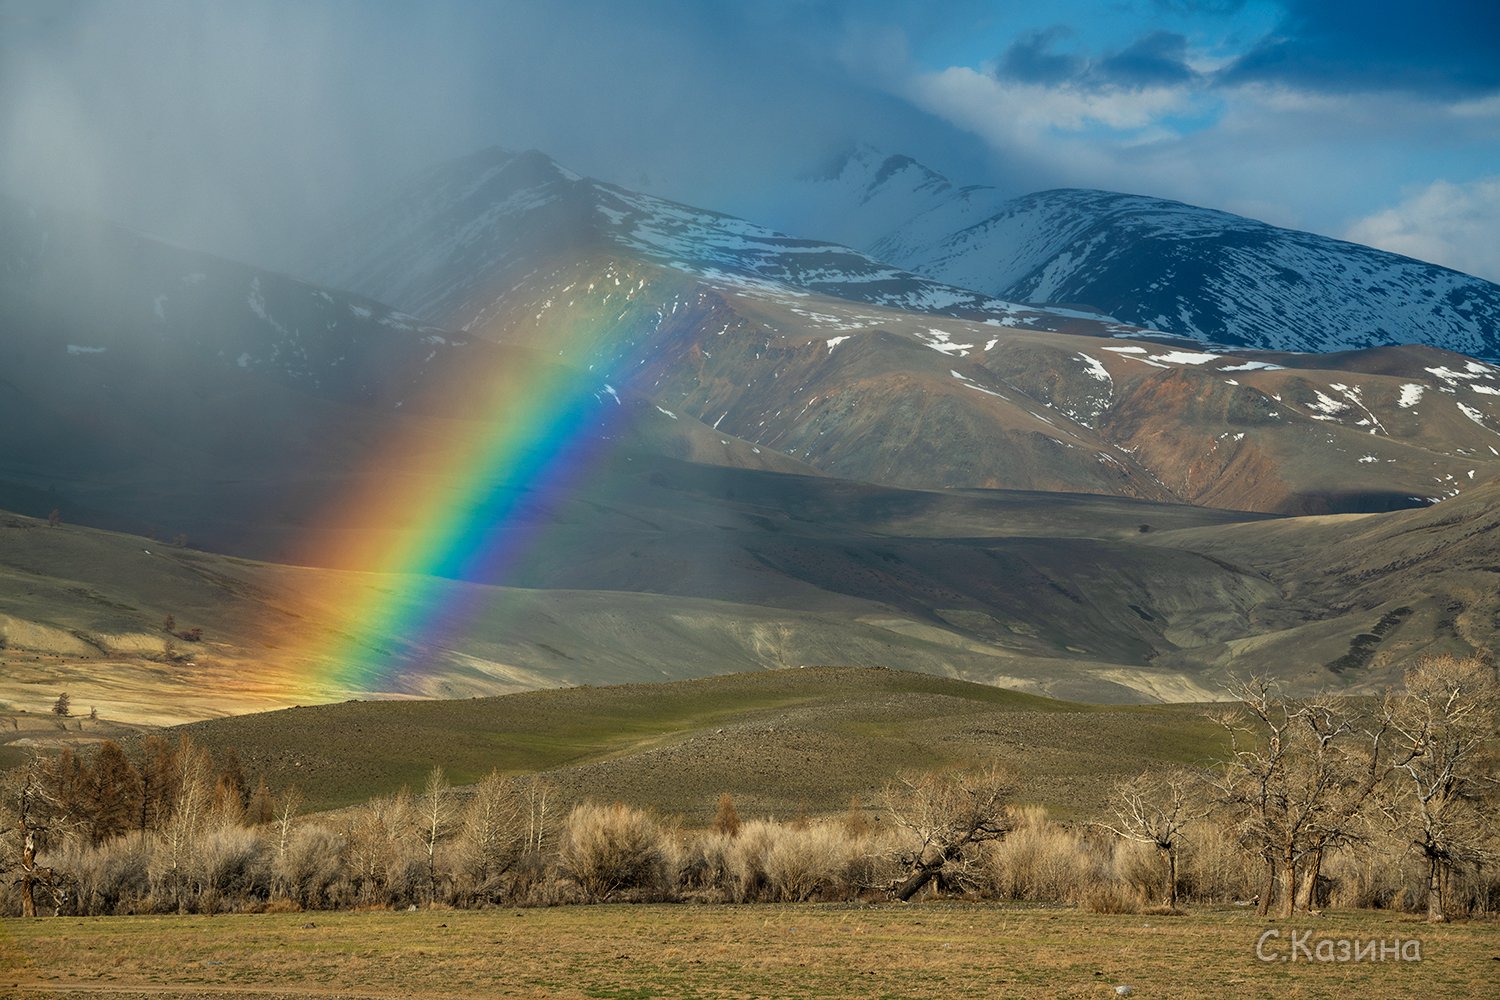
{"x": 614, "y": 849}
{"x": 803, "y": 861}
{"x": 1044, "y": 861}
{"x": 1215, "y": 867}
{"x": 705, "y": 863}
{"x": 307, "y": 873}
{"x": 1110, "y": 896}
{"x": 1137, "y": 867}
{"x": 230, "y": 865}
{"x": 745, "y": 860}
{"x": 109, "y": 879}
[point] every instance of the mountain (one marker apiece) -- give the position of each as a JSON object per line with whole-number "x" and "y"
{"x": 651, "y": 569}
{"x": 887, "y": 393}
{"x": 642, "y": 457}
{"x": 1194, "y": 272}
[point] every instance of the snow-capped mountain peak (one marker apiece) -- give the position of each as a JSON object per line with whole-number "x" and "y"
{"x": 1195, "y": 272}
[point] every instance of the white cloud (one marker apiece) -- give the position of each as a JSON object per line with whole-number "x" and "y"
{"x": 1480, "y": 107}
{"x": 985, "y": 104}
{"x": 1449, "y": 224}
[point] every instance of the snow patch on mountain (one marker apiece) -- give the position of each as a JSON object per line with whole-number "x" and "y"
{"x": 1185, "y": 358}
{"x": 971, "y": 384}
{"x": 1095, "y": 368}
{"x": 942, "y": 341}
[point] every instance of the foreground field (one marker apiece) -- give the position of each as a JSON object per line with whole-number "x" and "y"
{"x": 927, "y": 950}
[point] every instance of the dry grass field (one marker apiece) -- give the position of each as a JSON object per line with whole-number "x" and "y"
{"x": 950, "y": 950}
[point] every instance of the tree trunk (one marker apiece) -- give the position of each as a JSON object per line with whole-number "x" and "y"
{"x": 1288, "y": 881}
{"x": 1171, "y": 859}
{"x": 915, "y": 881}
{"x": 1310, "y": 883}
{"x": 1435, "y": 912}
{"x": 1269, "y": 889}
{"x": 28, "y": 865}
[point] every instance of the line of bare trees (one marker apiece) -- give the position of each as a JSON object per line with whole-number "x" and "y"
{"x": 1319, "y": 801}
{"x": 1307, "y": 777}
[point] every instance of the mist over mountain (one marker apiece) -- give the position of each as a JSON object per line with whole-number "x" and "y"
{"x": 450, "y": 242}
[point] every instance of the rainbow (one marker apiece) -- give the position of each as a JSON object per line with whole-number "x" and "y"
{"x": 453, "y": 500}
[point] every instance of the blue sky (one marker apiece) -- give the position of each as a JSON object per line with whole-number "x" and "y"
{"x": 229, "y": 125}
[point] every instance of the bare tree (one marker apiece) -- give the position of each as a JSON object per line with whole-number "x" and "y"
{"x": 944, "y": 816}
{"x": 161, "y": 779}
{"x": 491, "y": 837}
{"x": 262, "y": 807}
{"x": 380, "y": 847}
{"x": 1298, "y": 775}
{"x": 1155, "y": 809}
{"x": 1445, "y": 722}
{"x": 178, "y": 835}
{"x": 31, "y": 809}
{"x": 283, "y": 818}
{"x": 111, "y": 792}
{"x": 437, "y": 815}
{"x": 539, "y": 817}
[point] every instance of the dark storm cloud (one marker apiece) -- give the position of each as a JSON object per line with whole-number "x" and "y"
{"x": 1153, "y": 60}
{"x": 1443, "y": 49}
{"x": 1158, "y": 59}
{"x": 236, "y": 127}
{"x": 1031, "y": 59}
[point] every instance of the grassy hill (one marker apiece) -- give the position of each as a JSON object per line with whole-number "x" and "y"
{"x": 783, "y": 742}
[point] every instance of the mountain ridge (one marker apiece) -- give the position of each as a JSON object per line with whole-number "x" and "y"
{"x": 1200, "y": 273}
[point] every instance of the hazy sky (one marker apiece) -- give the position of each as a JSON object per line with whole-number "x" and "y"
{"x": 235, "y": 126}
